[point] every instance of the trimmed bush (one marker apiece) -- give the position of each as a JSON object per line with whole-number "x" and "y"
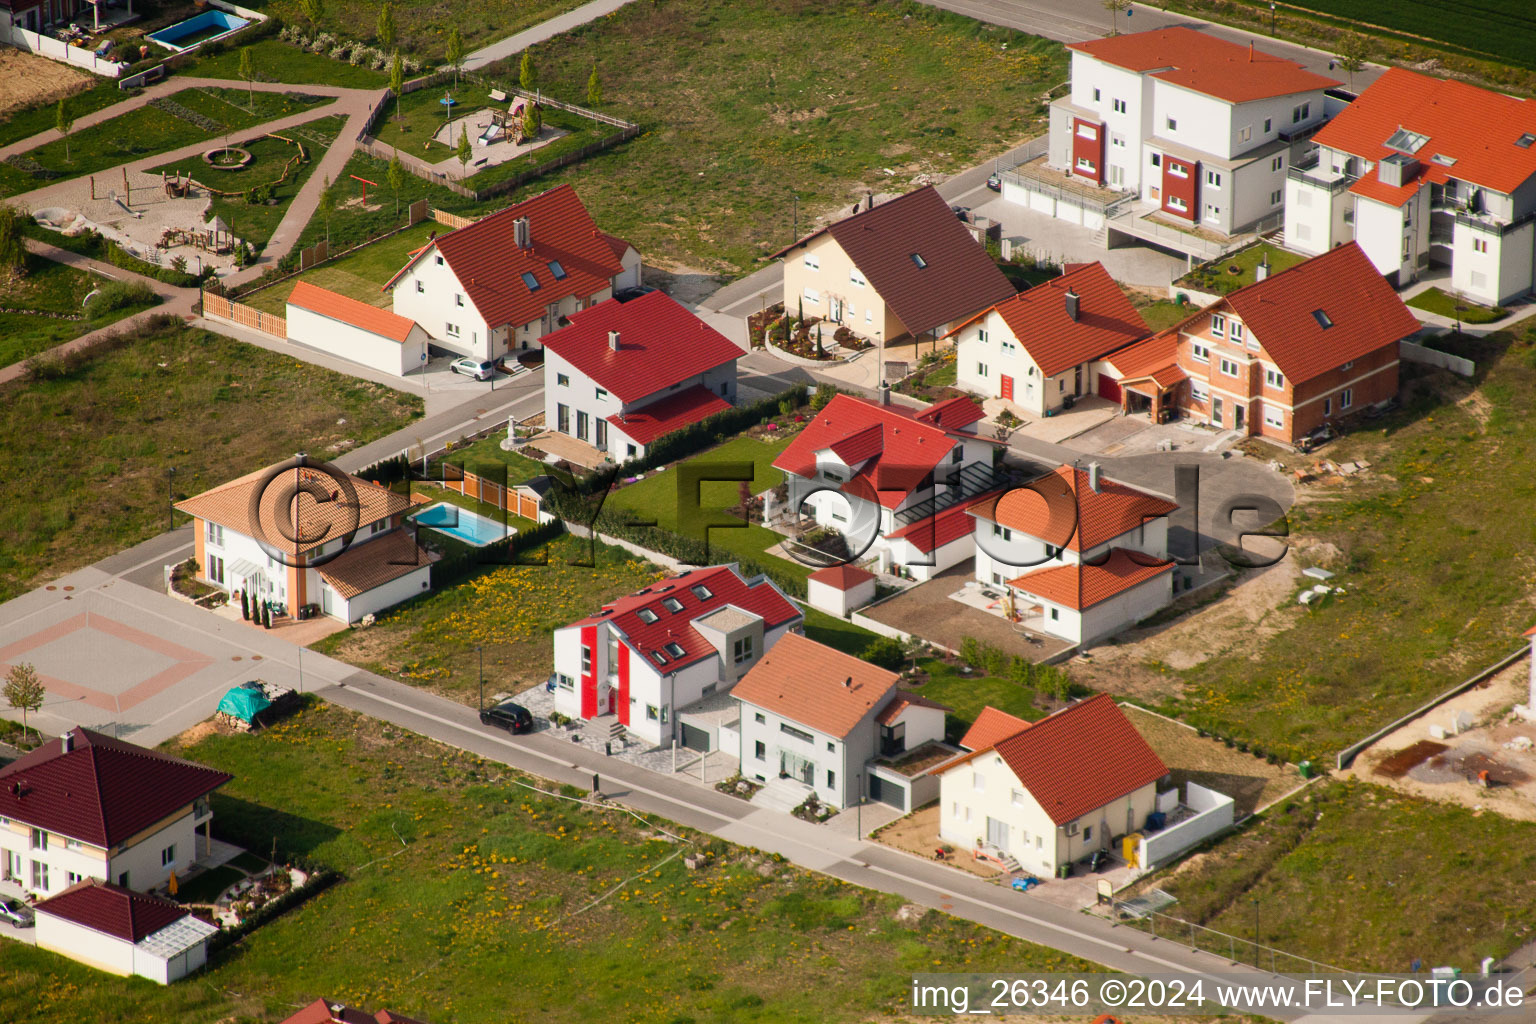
{"x": 885, "y": 652}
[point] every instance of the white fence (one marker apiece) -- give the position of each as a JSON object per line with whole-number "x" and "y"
{"x": 53, "y": 49}
{"x": 1214, "y": 812}
{"x": 1410, "y": 352}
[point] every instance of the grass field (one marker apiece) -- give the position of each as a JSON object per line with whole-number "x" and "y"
{"x": 1219, "y": 278}
{"x": 147, "y": 131}
{"x": 29, "y": 121}
{"x": 269, "y": 155}
{"x": 355, "y": 222}
{"x": 484, "y": 456}
{"x": 466, "y": 897}
{"x": 1436, "y": 587}
{"x": 212, "y": 407}
{"x": 1163, "y": 313}
{"x": 360, "y": 275}
{"x": 1436, "y": 300}
{"x": 1360, "y": 877}
{"x": 422, "y": 26}
{"x": 49, "y": 287}
{"x": 734, "y": 132}
{"x": 276, "y": 61}
{"x": 1502, "y": 28}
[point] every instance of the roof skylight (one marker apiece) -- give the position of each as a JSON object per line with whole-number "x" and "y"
{"x": 918, "y": 259}
{"x": 1323, "y": 320}
{"x": 1405, "y": 141}
{"x": 531, "y": 281}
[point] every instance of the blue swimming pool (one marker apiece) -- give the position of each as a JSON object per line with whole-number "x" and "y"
{"x": 209, "y": 25}
{"x": 461, "y": 524}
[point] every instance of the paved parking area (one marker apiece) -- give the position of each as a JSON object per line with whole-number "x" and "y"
{"x": 1062, "y": 241}
{"x": 928, "y": 610}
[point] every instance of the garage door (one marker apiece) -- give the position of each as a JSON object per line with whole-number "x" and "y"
{"x": 1109, "y": 387}
{"x": 887, "y": 792}
{"x": 695, "y": 738}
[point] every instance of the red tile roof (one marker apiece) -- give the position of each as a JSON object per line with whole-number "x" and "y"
{"x": 896, "y": 448}
{"x": 933, "y": 532}
{"x": 959, "y": 278}
{"x": 113, "y": 910}
{"x": 690, "y": 405}
{"x": 326, "y": 1011}
{"x": 1155, "y": 358}
{"x": 816, "y": 686}
{"x": 1106, "y": 320}
{"x": 350, "y": 311}
{"x": 1061, "y": 509}
{"x": 1475, "y": 127}
{"x": 726, "y": 587}
{"x": 991, "y": 726}
{"x": 490, "y": 267}
{"x": 101, "y": 791}
{"x": 842, "y": 577}
{"x": 1372, "y": 187}
{"x": 1079, "y": 759}
{"x": 951, "y": 414}
{"x": 660, "y": 344}
{"x": 904, "y": 700}
{"x": 1196, "y": 60}
{"x": 1080, "y": 586}
{"x": 617, "y": 244}
{"x": 1342, "y": 284}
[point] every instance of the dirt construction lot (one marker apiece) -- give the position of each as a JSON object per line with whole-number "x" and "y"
{"x": 1250, "y": 781}
{"x": 25, "y": 79}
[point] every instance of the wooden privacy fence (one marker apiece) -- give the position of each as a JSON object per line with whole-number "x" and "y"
{"x": 217, "y": 307}
{"x": 451, "y": 220}
{"x": 506, "y": 498}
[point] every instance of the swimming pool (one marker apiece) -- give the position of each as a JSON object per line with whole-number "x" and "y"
{"x": 186, "y": 34}
{"x": 461, "y": 524}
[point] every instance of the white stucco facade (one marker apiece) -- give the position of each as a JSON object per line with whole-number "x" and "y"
{"x": 46, "y": 863}
{"x": 357, "y": 344}
{"x": 116, "y": 955}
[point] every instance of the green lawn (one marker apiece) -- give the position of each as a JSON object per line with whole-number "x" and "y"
{"x": 835, "y": 632}
{"x": 205, "y": 888}
{"x": 1432, "y": 588}
{"x": 734, "y": 132}
{"x": 656, "y": 498}
{"x": 88, "y": 453}
{"x": 1502, "y": 28}
{"x": 1218, "y": 277}
{"x": 1164, "y": 313}
{"x": 411, "y": 122}
{"x": 354, "y": 222}
{"x": 48, "y": 288}
{"x": 1362, "y": 877}
{"x": 967, "y": 695}
{"x": 422, "y": 26}
{"x": 269, "y": 156}
{"x": 28, "y": 121}
{"x": 1453, "y": 307}
{"x": 276, "y": 61}
{"x": 467, "y": 896}
{"x": 485, "y": 457}
{"x": 360, "y": 275}
{"x": 150, "y": 130}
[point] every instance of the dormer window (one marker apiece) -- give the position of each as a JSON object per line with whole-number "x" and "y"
{"x": 557, "y": 270}
{"x": 531, "y": 281}
{"x": 646, "y": 616}
{"x": 672, "y": 605}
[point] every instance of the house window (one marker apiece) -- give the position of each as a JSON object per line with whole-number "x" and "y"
{"x": 531, "y": 281}
{"x": 917, "y": 259}
{"x": 1173, "y": 125}
{"x": 168, "y": 856}
{"x": 420, "y": 288}
{"x": 1116, "y": 139}
{"x": 1200, "y": 353}
{"x": 40, "y": 875}
{"x": 1117, "y": 173}
{"x": 1087, "y": 833}
{"x": 741, "y": 650}
{"x": 1479, "y": 245}
{"x": 1301, "y": 113}
{"x": 1328, "y": 407}
{"x": 631, "y": 451}
{"x": 458, "y": 299}
{"x": 675, "y": 649}
{"x": 1276, "y": 197}
{"x": 1157, "y": 159}
{"x": 439, "y": 261}
{"x": 1084, "y": 164}
{"x": 39, "y": 839}
{"x": 1229, "y": 367}
{"x": 672, "y": 605}
{"x": 1218, "y": 325}
{"x": 557, "y": 270}
{"x": 1177, "y": 170}
{"x": 812, "y": 261}
{"x": 1213, "y": 179}
{"x": 1245, "y": 133}
{"x": 1267, "y": 123}
{"x": 1018, "y": 800}
{"x": 869, "y": 315}
{"x": 1119, "y": 107}
{"x": 1274, "y": 379}
{"x": 563, "y": 379}
{"x": 759, "y": 718}
{"x": 71, "y": 877}
{"x": 1095, "y": 95}
{"x": 599, "y": 393}
{"x": 799, "y": 734}
{"x": 586, "y": 660}
{"x": 1088, "y": 131}
{"x": 652, "y": 713}
{"x": 1277, "y": 163}
{"x": 1212, "y": 212}
{"x": 1347, "y": 366}
{"x": 1175, "y": 203}
{"x": 759, "y": 750}
{"x": 216, "y": 569}
{"x": 978, "y": 782}
{"x": 831, "y": 777}
{"x": 1274, "y": 418}
{"x": 1197, "y": 392}
{"x": 215, "y": 534}
{"x": 981, "y": 369}
{"x": 452, "y": 330}
{"x": 1346, "y": 398}
{"x": 1323, "y": 319}
{"x": 981, "y": 335}
{"x": 701, "y": 592}
{"x": 856, "y": 277}
{"x": 1055, "y": 614}
{"x": 564, "y": 681}
{"x": 373, "y": 528}
{"x": 812, "y": 296}
{"x": 1002, "y": 531}
{"x": 1236, "y": 333}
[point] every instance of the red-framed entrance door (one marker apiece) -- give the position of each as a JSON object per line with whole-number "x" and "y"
{"x": 1007, "y": 387}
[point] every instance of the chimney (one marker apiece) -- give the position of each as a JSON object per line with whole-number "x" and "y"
{"x": 1072, "y": 304}
{"x": 613, "y": 340}
{"x": 69, "y": 742}
{"x": 848, "y": 683}
{"x": 1261, "y": 271}
{"x": 1250, "y": 51}
{"x": 869, "y": 200}
{"x": 522, "y": 233}
{"x": 1093, "y": 477}
{"x": 885, "y": 393}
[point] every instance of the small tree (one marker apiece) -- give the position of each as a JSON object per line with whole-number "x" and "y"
{"x": 13, "y": 250}
{"x": 455, "y": 52}
{"x": 248, "y": 72}
{"x": 464, "y": 151}
{"x": 266, "y": 616}
{"x": 594, "y": 88}
{"x": 397, "y": 86}
{"x": 1354, "y": 53}
{"x": 64, "y": 121}
{"x": 395, "y": 176}
{"x": 327, "y": 207}
{"x": 314, "y": 10}
{"x": 245, "y": 606}
{"x": 24, "y": 691}
{"x": 527, "y": 74}
{"x": 533, "y": 120}
{"x": 1114, "y": 7}
{"x": 386, "y": 27}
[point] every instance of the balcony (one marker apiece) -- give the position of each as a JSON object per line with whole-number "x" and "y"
{"x": 1308, "y": 171}
{"x": 959, "y": 485}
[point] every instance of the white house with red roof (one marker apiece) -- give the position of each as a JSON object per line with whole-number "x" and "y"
{"x": 1080, "y": 556}
{"x": 502, "y": 283}
{"x": 1425, "y": 171}
{"x": 1043, "y": 346}
{"x": 624, "y": 374}
{"x": 123, "y": 932}
{"x": 345, "y": 327}
{"x": 646, "y": 657}
{"x": 1053, "y": 791}
{"x": 331, "y": 1011}
{"x": 840, "y": 589}
{"x": 1199, "y": 128}
{"x": 86, "y": 805}
{"x": 894, "y": 480}
{"x": 817, "y": 718}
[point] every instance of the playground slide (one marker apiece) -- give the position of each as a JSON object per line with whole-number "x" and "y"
{"x": 491, "y": 134}
{"x": 131, "y": 213}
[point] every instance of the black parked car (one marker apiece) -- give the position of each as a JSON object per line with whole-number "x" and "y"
{"x": 509, "y": 716}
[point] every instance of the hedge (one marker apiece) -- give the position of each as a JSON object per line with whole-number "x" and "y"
{"x": 462, "y": 561}
{"x": 994, "y": 661}
{"x": 316, "y": 884}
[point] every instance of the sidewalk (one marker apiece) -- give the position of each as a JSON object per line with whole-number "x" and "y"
{"x": 504, "y": 48}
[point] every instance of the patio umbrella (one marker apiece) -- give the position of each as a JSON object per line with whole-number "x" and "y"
{"x": 171, "y": 885}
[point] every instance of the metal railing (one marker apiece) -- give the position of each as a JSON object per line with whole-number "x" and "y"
{"x": 1075, "y": 194}
{"x": 1236, "y": 949}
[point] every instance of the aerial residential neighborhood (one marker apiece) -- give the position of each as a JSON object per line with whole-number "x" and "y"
{"x": 762, "y": 511}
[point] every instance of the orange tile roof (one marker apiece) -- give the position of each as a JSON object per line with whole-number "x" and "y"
{"x": 350, "y": 311}
{"x": 1477, "y": 128}
{"x": 1079, "y": 759}
{"x": 1061, "y": 509}
{"x": 991, "y": 726}
{"x": 1079, "y": 586}
{"x": 374, "y": 563}
{"x": 1347, "y": 289}
{"x": 1205, "y": 64}
{"x": 1155, "y": 358}
{"x": 311, "y": 519}
{"x": 906, "y": 700}
{"x": 804, "y": 681}
{"x": 842, "y": 577}
{"x": 1372, "y": 187}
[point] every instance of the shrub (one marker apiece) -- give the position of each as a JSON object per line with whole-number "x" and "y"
{"x": 120, "y": 295}
{"x": 824, "y": 394}
{"x": 885, "y": 652}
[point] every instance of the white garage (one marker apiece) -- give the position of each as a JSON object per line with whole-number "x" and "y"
{"x": 123, "y": 932}
{"x": 353, "y": 330}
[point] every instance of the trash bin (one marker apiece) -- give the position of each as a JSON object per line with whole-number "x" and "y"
{"x": 1305, "y": 768}
{"x": 1064, "y": 870}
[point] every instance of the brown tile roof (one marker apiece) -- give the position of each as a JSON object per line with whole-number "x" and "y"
{"x": 906, "y": 700}
{"x": 102, "y": 790}
{"x": 842, "y": 577}
{"x": 990, "y": 726}
{"x": 1061, "y": 509}
{"x": 815, "y": 685}
{"x": 1078, "y": 759}
{"x": 1080, "y": 586}
{"x": 374, "y": 563}
{"x": 958, "y": 277}
{"x": 113, "y": 910}
{"x": 319, "y": 519}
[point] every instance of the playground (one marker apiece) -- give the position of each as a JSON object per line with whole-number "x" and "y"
{"x": 498, "y": 133}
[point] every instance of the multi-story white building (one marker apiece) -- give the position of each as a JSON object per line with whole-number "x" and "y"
{"x": 1199, "y": 128}
{"x": 625, "y": 374}
{"x": 86, "y": 805}
{"x": 646, "y": 657}
{"x": 1424, "y": 171}
{"x": 502, "y": 283}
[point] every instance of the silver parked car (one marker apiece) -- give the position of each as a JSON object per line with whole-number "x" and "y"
{"x": 17, "y": 913}
{"x": 480, "y": 369}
